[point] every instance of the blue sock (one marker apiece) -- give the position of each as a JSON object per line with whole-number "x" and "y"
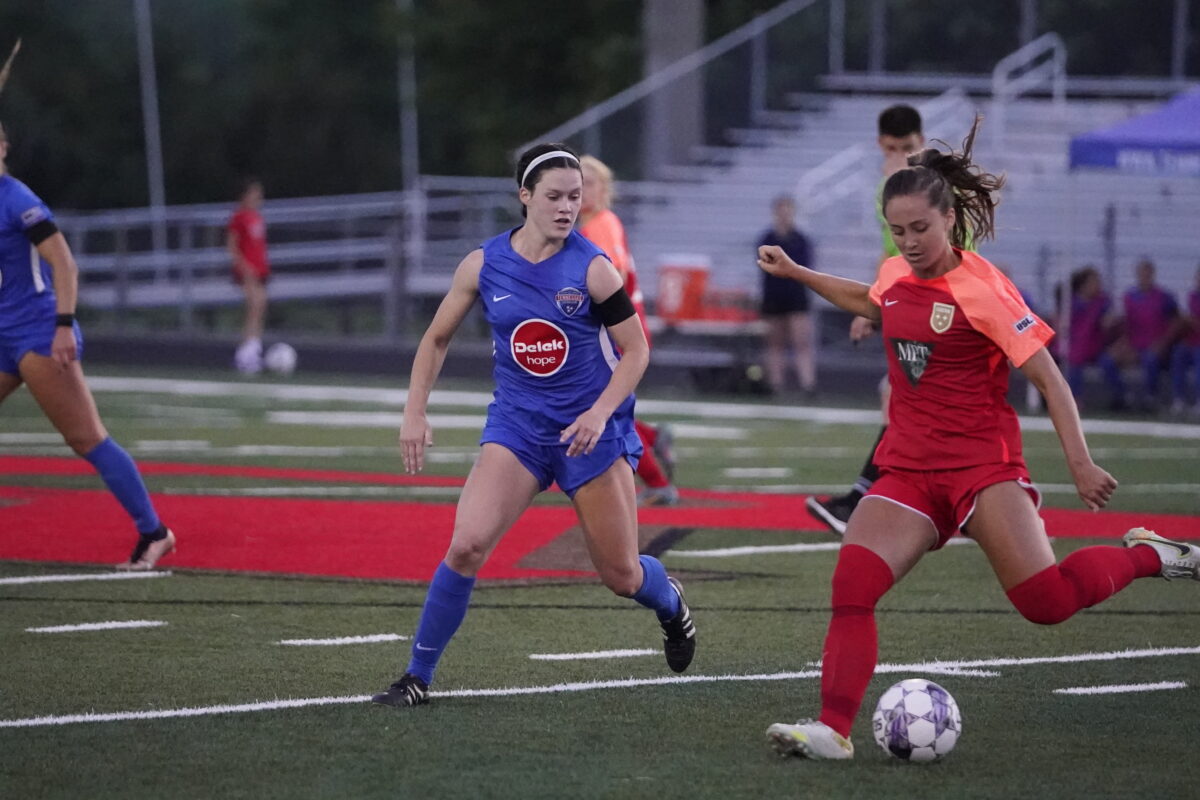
{"x": 122, "y": 478}
{"x": 445, "y": 607}
{"x": 656, "y": 591}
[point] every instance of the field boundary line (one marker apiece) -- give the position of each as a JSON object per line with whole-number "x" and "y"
{"x": 83, "y": 576}
{"x": 368, "y": 639}
{"x": 112, "y": 625}
{"x": 940, "y": 667}
{"x": 463, "y": 399}
{"x": 629, "y": 653}
{"x": 1123, "y": 688}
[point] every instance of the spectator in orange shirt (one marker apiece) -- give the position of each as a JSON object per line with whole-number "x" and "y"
{"x": 599, "y": 224}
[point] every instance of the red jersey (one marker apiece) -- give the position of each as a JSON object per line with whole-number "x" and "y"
{"x": 948, "y": 342}
{"x": 605, "y": 230}
{"x": 251, "y": 236}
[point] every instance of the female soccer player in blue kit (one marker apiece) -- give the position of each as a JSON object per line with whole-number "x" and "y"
{"x": 40, "y": 345}
{"x": 563, "y": 411}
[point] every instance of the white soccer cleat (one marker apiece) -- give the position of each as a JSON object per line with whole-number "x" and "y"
{"x": 1179, "y": 560}
{"x": 147, "y": 553}
{"x": 809, "y": 739}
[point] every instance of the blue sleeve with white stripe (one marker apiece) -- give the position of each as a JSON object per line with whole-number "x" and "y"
{"x": 24, "y": 209}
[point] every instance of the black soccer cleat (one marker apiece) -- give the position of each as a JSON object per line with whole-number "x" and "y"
{"x": 679, "y": 634}
{"x": 834, "y": 512}
{"x": 408, "y": 691}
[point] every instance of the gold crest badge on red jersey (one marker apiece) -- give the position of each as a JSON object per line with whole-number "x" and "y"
{"x": 942, "y": 316}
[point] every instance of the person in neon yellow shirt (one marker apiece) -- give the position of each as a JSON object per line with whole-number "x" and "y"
{"x": 900, "y": 135}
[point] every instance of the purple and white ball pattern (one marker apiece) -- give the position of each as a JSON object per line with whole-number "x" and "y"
{"x": 917, "y": 720}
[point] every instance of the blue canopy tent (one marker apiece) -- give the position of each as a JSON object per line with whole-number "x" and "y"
{"x": 1163, "y": 142}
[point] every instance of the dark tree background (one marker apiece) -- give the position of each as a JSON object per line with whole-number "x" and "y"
{"x": 303, "y": 93}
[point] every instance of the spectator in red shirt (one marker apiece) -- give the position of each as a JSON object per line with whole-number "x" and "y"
{"x": 247, "y": 243}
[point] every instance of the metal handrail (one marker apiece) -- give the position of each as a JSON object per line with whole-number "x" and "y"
{"x": 672, "y": 72}
{"x": 1024, "y": 70}
{"x": 847, "y": 170}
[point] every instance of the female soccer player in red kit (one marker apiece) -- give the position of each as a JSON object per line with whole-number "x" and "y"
{"x": 951, "y": 459}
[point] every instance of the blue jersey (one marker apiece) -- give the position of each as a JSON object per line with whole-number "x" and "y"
{"x": 552, "y": 355}
{"x": 26, "y": 288}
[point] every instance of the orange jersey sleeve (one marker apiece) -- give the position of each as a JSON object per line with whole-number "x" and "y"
{"x": 890, "y": 271}
{"x": 994, "y": 308}
{"x": 606, "y": 232}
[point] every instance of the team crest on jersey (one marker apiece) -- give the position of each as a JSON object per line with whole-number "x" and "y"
{"x": 942, "y": 316}
{"x": 913, "y": 357}
{"x": 568, "y": 300}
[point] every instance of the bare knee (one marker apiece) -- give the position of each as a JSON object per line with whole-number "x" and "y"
{"x": 466, "y": 556}
{"x": 624, "y": 580}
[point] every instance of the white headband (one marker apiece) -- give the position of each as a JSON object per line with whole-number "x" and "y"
{"x": 546, "y": 157}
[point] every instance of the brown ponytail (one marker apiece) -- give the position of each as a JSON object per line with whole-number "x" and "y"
{"x": 951, "y": 180}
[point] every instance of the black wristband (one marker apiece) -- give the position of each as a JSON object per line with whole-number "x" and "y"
{"x": 64, "y": 320}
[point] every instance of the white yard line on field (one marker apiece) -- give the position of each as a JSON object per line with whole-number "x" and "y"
{"x": 100, "y": 626}
{"x": 31, "y": 438}
{"x": 757, "y": 472}
{"x": 389, "y": 419}
{"x": 679, "y": 408}
{"x": 592, "y": 655}
{"x": 1123, "y": 688}
{"x": 83, "y": 576}
{"x": 940, "y": 667}
{"x": 370, "y": 639}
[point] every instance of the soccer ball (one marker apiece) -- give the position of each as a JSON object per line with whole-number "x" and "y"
{"x": 281, "y": 358}
{"x": 917, "y": 720}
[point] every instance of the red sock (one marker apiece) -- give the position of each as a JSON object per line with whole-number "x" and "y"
{"x": 852, "y": 644}
{"x": 646, "y": 432}
{"x": 1083, "y": 579}
{"x": 649, "y": 469}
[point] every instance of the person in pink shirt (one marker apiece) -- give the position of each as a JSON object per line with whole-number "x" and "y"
{"x": 1151, "y": 316}
{"x": 1093, "y": 322}
{"x": 1187, "y": 355}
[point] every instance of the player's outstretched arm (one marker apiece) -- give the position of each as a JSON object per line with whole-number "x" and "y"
{"x": 1095, "y": 486}
{"x": 604, "y": 282}
{"x": 844, "y": 293}
{"x": 65, "y": 274}
{"x": 415, "y": 433}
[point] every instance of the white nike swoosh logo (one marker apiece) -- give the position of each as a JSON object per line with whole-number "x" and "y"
{"x": 890, "y": 302}
{"x": 423, "y": 647}
{"x": 496, "y": 298}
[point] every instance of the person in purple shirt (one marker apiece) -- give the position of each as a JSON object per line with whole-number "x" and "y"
{"x": 1187, "y": 356}
{"x": 1151, "y": 316}
{"x": 1092, "y": 325}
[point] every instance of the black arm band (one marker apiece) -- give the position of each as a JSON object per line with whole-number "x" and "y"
{"x": 40, "y": 232}
{"x": 616, "y": 309}
{"x": 64, "y": 320}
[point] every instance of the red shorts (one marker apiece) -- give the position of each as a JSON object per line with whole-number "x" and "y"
{"x": 947, "y": 497}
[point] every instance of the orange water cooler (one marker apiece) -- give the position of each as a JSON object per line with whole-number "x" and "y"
{"x": 682, "y": 285}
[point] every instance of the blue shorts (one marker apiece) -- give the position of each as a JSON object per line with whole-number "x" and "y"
{"x": 34, "y": 337}
{"x": 549, "y": 463}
